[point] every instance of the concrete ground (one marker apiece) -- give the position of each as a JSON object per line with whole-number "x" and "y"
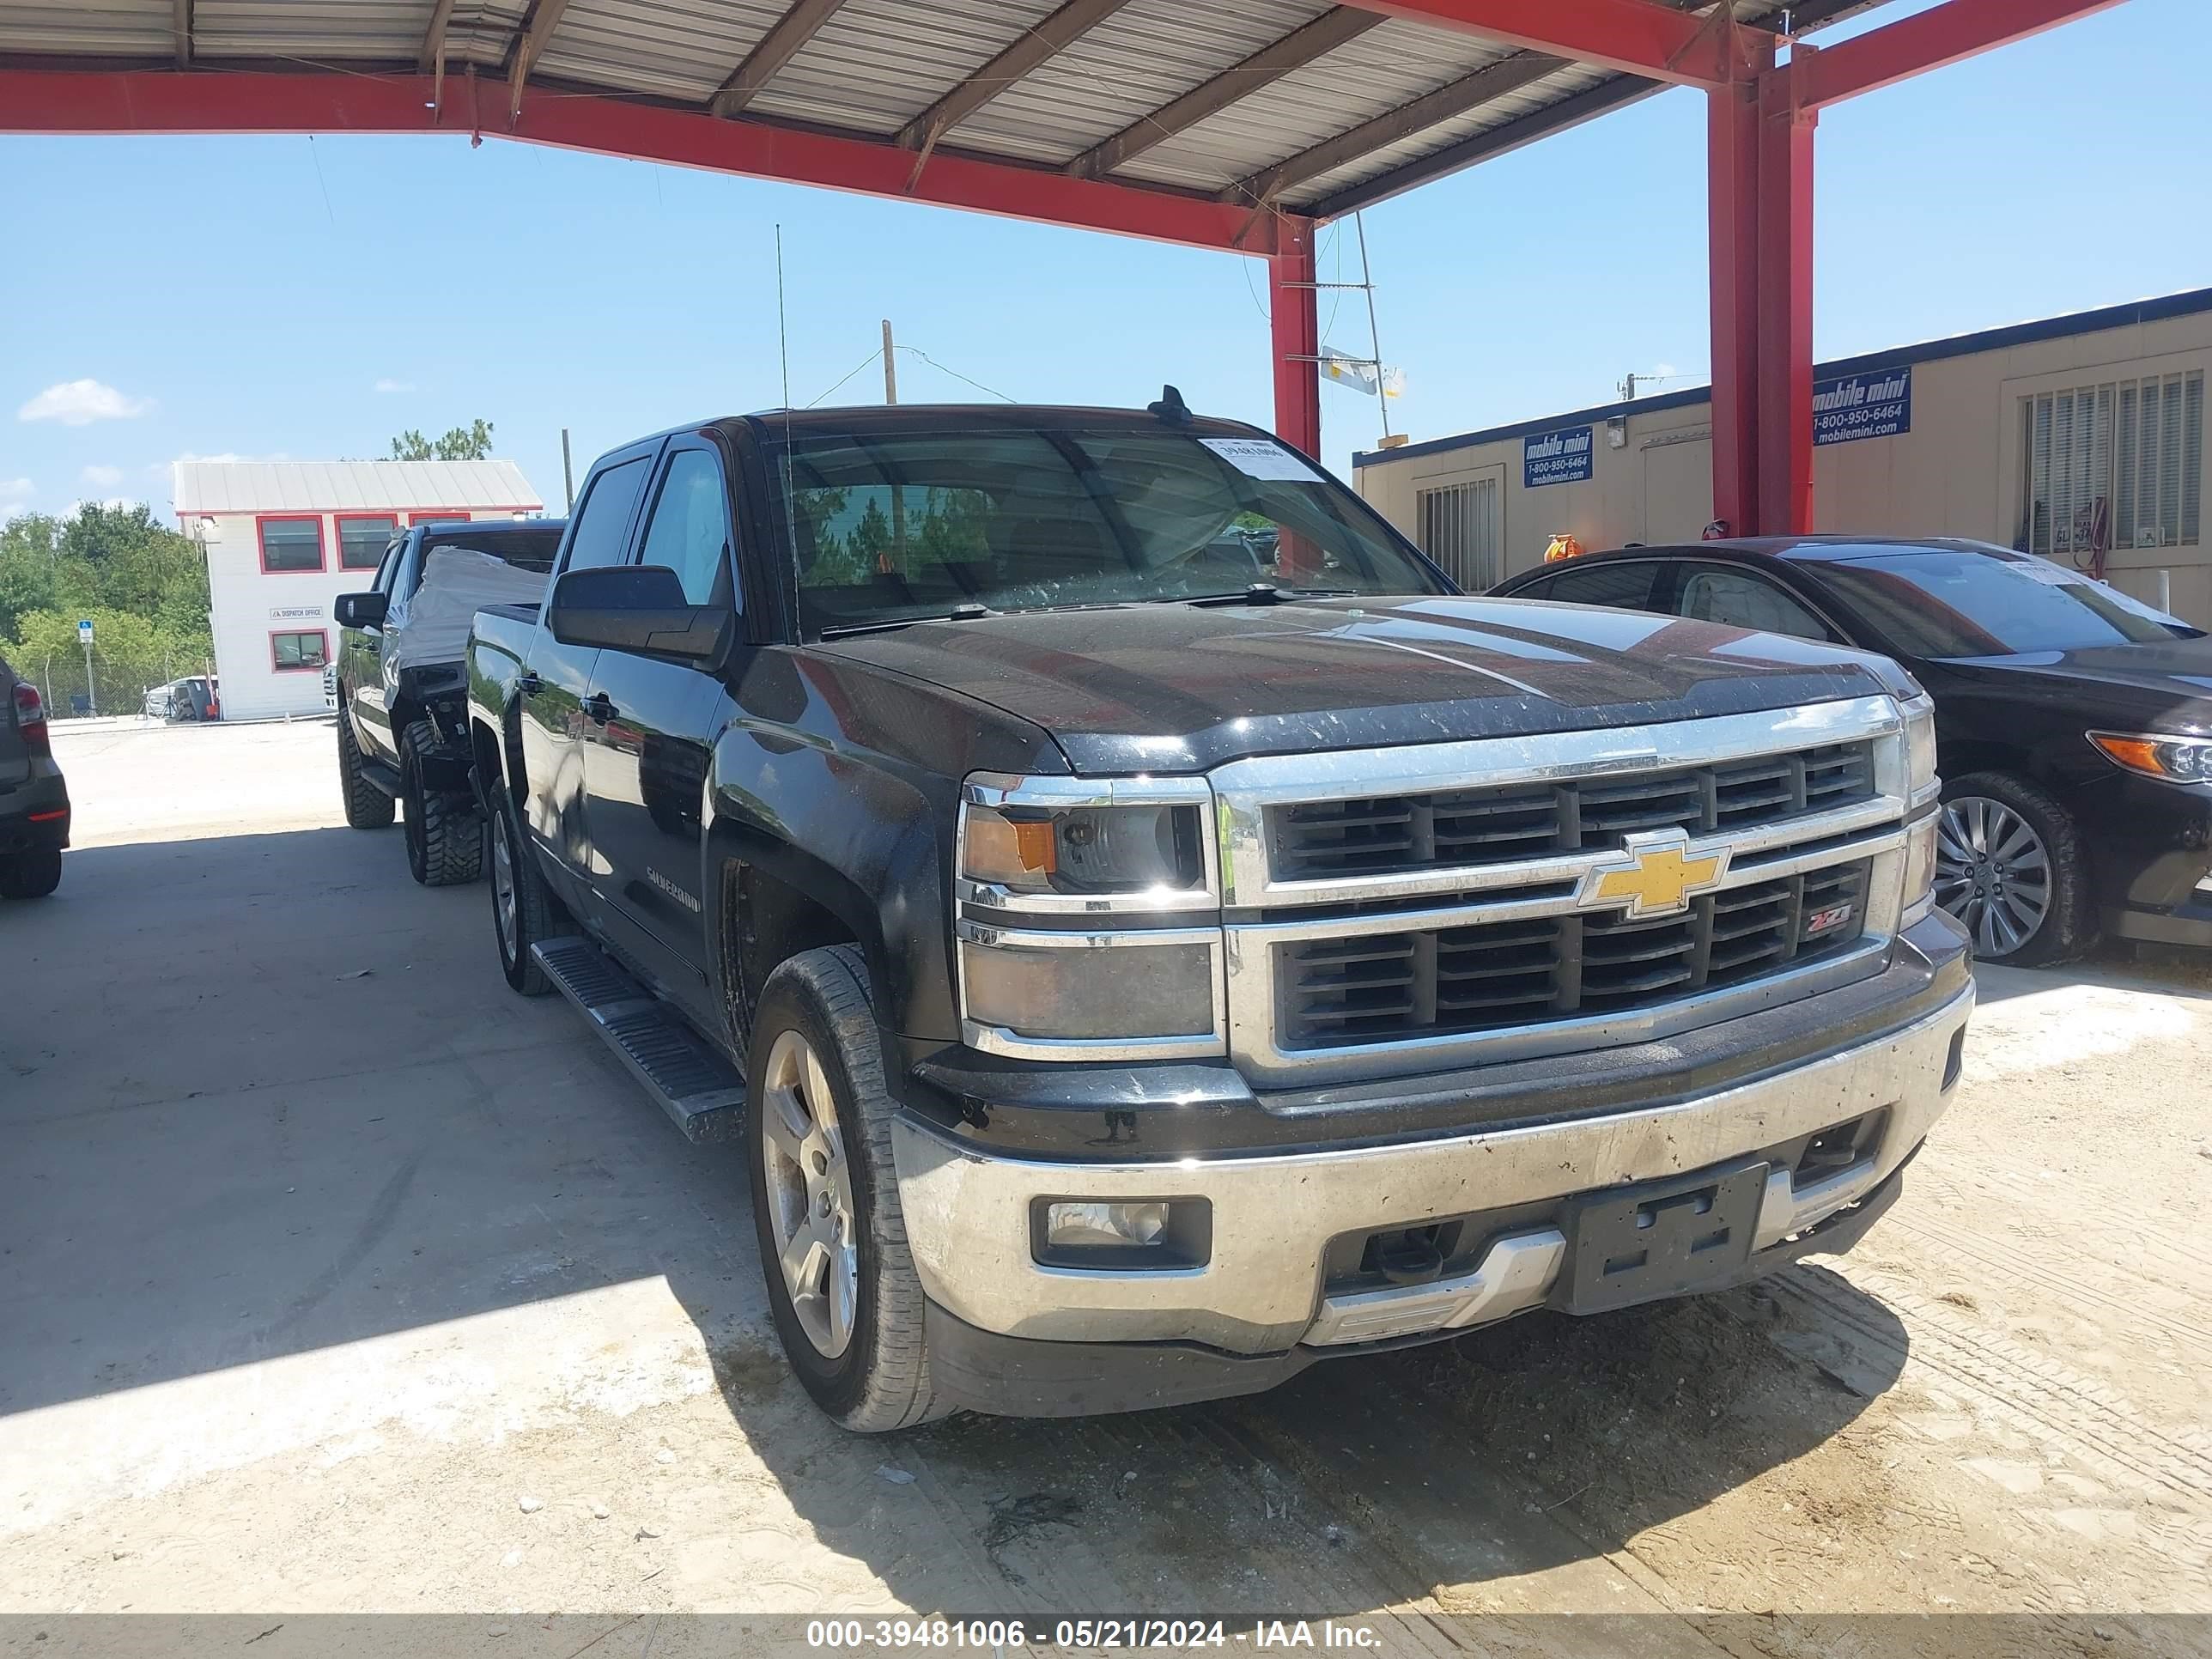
{"x": 336, "y": 1278}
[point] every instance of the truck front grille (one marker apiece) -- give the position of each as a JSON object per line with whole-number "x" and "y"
{"x": 1383, "y": 988}
{"x": 1468, "y": 828}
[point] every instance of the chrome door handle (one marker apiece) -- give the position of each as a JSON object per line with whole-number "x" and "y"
{"x": 529, "y": 684}
{"x": 598, "y": 710}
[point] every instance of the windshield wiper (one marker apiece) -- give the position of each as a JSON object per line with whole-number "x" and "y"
{"x": 1269, "y": 593}
{"x": 969, "y": 612}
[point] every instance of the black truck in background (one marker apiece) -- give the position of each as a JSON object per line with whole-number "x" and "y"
{"x": 402, "y": 732}
{"x": 1149, "y": 932}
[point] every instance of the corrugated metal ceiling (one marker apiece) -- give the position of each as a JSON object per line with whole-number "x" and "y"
{"x": 875, "y": 64}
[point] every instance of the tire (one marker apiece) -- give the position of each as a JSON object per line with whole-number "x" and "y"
{"x": 2010, "y": 868}
{"x": 524, "y": 909}
{"x": 819, "y": 1124}
{"x": 367, "y": 807}
{"x": 445, "y": 837}
{"x": 31, "y": 875}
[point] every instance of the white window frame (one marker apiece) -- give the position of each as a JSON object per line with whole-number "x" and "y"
{"x": 1454, "y": 517}
{"x": 2116, "y": 459}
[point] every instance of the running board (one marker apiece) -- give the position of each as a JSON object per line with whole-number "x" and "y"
{"x": 701, "y": 1091}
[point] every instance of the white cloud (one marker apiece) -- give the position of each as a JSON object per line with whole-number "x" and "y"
{"x": 80, "y": 402}
{"x": 389, "y": 385}
{"x": 228, "y": 458}
{"x": 105, "y": 477}
{"x": 16, "y": 489}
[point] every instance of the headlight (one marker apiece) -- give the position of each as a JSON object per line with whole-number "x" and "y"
{"x": 2173, "y": 759}
{"x": 1920, "y": 746}
{"x": 1067, "y": 850}
{"x": 1919, "y": 870}
{"x": 1085, "y": 849}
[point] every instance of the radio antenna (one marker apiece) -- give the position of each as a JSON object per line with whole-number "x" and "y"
{"x": 782, "y": 333}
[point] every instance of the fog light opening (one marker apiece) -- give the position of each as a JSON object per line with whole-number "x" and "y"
{"x": 1122, "y": 1234}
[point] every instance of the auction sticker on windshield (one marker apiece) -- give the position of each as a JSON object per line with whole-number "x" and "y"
{"x": 1257, "y": 458}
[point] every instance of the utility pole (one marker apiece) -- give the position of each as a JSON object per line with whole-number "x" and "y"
{"x": 898, "y": 495}
{"x": 567, "y": 478}
{"x": 1367, "y": 281}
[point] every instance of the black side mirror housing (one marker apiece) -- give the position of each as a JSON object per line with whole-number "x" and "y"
{"x": 359, "y": 609}
{"x": 634, "y": 607}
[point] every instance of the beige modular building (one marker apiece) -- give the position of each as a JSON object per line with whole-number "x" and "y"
{"x": 2080, "y": 438}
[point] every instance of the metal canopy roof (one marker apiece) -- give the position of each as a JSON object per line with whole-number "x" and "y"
{"x": 1292, "y": 106}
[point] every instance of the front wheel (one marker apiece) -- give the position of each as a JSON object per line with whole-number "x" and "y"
{"x": 367, "y": 807}
{"x": 2009, "y": 868}
{"x": 31, "y": 875}
{"x": 841, "y": 1281}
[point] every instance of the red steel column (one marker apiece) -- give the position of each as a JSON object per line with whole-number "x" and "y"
{"x": 1294, "y": 308}
{"x": 1785, "y": 301}
{"x": 1732, "y": 264}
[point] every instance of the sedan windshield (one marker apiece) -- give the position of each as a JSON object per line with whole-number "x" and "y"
{"x": 899, "y": 527}
{"x": 1953, "y": 602}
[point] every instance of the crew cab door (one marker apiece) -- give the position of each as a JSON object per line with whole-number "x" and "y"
{"x": 646, "y": 740}
{"x": 557, "y": 677}
{"x": 360, "y": 664}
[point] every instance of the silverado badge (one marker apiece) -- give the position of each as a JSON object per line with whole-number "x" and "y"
{"x": 1655, "y": 874}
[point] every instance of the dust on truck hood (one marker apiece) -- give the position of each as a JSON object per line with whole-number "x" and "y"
{"x": 1177, "y": 688}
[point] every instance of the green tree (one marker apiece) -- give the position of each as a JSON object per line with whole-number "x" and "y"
{"x": 30, "y": 551}
{"x": 472, "y": 442}
{"x": 143, "y": 586}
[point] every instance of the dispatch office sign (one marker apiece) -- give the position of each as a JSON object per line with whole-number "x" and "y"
{"x": 1553, "y": 458}
{"x": 294, "y": 612}
{"x": 1855, "y": 406}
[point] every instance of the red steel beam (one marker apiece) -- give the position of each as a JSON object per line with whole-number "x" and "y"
{"x": 1640, "y": 37}
{"x": 109, "y": 101}
{"x": 1732, "y": 204}
{"x": 1956, "y": 30}
{"x": 1785, "y": 302}
{"x": 1294, "y": 322}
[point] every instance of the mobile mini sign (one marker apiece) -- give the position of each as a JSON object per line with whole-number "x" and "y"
{"x": 1555, "y": 457}
{"x": 1855, "y": 406}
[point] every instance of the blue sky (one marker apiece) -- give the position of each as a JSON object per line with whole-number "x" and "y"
{"x": 261, "y": 297}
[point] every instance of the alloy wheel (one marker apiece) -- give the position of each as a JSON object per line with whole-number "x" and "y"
{"x": 502, "y": 886}
{"x": 1992, "y": 872}
{"x": 809, "y": 1193}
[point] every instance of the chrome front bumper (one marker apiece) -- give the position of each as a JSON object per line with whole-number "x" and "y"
{"x": 1260, "y": 1292}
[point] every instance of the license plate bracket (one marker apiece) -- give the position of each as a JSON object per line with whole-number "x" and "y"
{"x": 1663, "y": 1239}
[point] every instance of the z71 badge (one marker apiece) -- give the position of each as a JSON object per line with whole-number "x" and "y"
{"x": 1827, "y": 920}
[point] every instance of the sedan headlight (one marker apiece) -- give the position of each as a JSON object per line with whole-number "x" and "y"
{"x": 1058, "y": 851}
{"x": 2170, "y": 759}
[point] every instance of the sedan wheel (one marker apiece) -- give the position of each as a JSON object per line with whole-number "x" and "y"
{"x": 1993, "y": 873}
{"x": 810, "y": 1192}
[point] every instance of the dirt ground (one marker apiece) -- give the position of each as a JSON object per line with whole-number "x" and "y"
{"x": 334, "y": 1278}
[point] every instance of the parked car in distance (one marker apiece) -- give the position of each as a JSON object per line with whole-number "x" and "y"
{"x": 195, "y": 697}
{"x": 35, "y": 803}
{"x": 402, "y": 737}
{"x": 1142, "y": 960}
{"x": 2074, "y": 724}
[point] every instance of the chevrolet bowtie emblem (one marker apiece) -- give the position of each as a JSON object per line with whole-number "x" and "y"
{"x": 1656, "y": 874}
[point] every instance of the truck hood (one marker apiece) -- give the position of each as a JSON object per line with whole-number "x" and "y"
{"x": 1179, "y": 688}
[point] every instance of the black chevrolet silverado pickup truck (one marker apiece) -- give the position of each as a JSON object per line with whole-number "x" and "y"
{"x": 1150, "y": 933}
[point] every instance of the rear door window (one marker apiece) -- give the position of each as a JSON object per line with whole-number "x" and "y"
{"x": 600, "y": 534}
{"x": 1626, "y": 586}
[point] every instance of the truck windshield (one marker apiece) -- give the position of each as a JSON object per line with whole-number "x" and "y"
{"x": 1949, "y": 603}
{"x": 898, "y": 527}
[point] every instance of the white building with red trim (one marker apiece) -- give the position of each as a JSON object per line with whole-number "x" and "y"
{"x": 285, "y": 538}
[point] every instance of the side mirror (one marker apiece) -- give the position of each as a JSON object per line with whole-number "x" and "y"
{"x": 359, "y": 609}
{"x": 639, "y": 608}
